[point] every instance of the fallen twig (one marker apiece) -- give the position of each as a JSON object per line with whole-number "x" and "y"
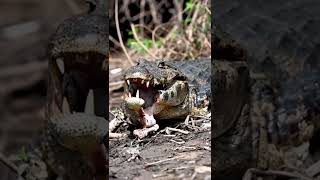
{"x": 186, "y": 121}
{"x": 169, "y": 135}
{"x": 176, "y": 130}
{"x": 162, "y": 161}
{"x": 202, "y": 117}
{"x": 117, "y": 135}
{"x": 177, "y": 142}
{"x": 184, "y": 148}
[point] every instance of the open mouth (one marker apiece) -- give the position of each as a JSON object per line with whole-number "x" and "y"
{"x": 138, "y": 89}
{"x": 142, "y": 88}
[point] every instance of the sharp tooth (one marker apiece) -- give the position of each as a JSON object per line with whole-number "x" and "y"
{"x": 148, "y": 82}
{"x": 128, "y": 82}
{"x": 129, "y": 94}
{"x": 142, "y": 82}
{"x": 137, "y": 94}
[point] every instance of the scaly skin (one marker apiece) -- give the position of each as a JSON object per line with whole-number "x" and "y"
{"x": 70, "y": 146}
{"x": 81, "y": 43}
{"x": 281, "y": 48}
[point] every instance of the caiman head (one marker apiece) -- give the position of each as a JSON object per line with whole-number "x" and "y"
{"x": 80, "y": 46}
{"x": 155, "y": 90}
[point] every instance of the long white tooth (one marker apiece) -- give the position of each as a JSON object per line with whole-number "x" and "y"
{"x": 128, "y": 82}
{"x": 65, "y": 106}
{"x": 142, "y": 81}
{"x": 148, "y": 82}
{"x": 129, "y": 94}
{"x": 137, "y": 94}
{"x": 60, "y": 64}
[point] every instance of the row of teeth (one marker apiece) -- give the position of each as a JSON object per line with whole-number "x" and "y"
{"x": 142, "y": 82}
{"x": 137, "y": 94}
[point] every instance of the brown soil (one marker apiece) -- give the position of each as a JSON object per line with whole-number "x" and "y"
{"x": 161, "y": 157}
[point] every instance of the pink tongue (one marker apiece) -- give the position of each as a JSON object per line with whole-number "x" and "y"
{"x": 148, "y": 119}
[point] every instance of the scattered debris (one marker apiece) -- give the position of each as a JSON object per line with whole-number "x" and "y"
{"x": 162, "y": 161}
{"x": 169, "y": 130}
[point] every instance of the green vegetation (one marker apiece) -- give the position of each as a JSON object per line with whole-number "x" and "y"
{"x": 22, "y": 155}
{"x": 184, "y": 39}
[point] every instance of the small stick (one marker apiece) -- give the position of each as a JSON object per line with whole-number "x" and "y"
{"x": 177, "y": 130}
{"x": 158, "y": 175}
{"x": 182, "y": 142}
{"x": 182, "y": 167}
{"x": 114, "y": 41}
{"x": 195, "y": 15}
{"x": 192, "y": 122}
{"x": 184, "y": 148}
{"x": 202, "y": 117}
{"x": 186, "y": 121}
{"x": 153, "y": 12}
{"x": 194, "y": 175}
{"x": 119, "y": 33}
{"x": 117, "y": 135}
{"x": 169, "y": 135}
{"x": 178, "y": 6}
{"x": 161, "y": 161}
{"x": 142, "y": 15}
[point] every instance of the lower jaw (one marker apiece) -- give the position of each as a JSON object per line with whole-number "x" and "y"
{"x": 147, "y": 115}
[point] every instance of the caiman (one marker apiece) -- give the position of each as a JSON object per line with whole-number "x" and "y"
{"x": 170, "y": 90}
{"x": 279, "y": 127}
{"x": 78, "y": 53}
{"x": 72, "y": 146}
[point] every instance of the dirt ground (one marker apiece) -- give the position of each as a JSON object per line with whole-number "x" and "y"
{"x": 176, "y": 156}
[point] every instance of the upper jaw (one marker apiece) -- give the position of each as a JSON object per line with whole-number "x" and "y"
{"x": 139, "y": 81}
{"x": 141, "y": 88}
